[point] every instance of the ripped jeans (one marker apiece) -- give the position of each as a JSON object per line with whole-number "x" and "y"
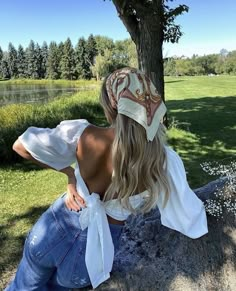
{"x": 54, "y": 252}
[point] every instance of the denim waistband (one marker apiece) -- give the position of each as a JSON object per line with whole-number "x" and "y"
{"x": 69, "y": 220}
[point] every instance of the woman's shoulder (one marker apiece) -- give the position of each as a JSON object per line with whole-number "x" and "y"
{"x": 94, "y": 148}
{"x": 95, "y": 139}
{"x": 67, "y": 130}
{"x": 73, "y": 126}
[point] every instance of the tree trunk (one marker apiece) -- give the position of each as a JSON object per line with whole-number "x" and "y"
{"x": 146, "y": 30}
{"x": 149, "y": 51}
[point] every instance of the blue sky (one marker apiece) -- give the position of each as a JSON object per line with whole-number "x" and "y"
{"x": 208, "y": 27}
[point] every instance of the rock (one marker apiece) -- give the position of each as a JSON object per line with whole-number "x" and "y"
{"x": 153, "y": 257}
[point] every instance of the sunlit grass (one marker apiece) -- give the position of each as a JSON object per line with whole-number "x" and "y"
{"x": 180, "y": 88}
{"x": 201, "y": 111}
{"x": 25, "y": 194}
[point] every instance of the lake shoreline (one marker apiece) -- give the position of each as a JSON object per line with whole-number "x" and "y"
{"x": 40, "y": 91}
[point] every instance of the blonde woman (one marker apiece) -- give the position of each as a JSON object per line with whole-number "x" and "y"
{"x": 123, "y": 169}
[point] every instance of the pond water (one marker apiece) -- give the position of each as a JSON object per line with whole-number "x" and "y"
{"x": 12, "y": 94}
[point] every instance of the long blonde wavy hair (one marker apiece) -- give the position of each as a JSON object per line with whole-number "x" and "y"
{"x": 138, "y": 165}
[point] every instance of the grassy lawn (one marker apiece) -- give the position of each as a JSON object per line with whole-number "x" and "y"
{"x": 25, "y": 194}
{"x": 202, "y": 118}
{"x": 202, "y": 112}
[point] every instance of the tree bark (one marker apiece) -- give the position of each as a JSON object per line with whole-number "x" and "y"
{"x": 149, "y": 51}
{"x": 146, "y": 30}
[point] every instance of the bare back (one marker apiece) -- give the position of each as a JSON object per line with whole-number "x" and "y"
{"x": 94, "y": 158}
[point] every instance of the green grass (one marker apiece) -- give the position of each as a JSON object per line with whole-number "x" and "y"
{"x": 201, "y": 111}
{"x": 25, "y": 194}
{"x": 181, "y": 88}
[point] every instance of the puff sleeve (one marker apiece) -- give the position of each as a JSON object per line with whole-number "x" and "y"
{"x": 184, "y": 211}
{"x": 54, "y": 147}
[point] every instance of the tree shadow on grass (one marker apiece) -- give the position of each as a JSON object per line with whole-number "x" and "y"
{"x": 174, "y": 81}
{"x": 22, "y": 165}
{"x": 11, "y": 246}
{"x": 210, "y": 118}
{"x": 209, "y": 126}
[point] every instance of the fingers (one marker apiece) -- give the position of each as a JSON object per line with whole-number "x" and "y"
{"x": 73, "y": 200}
{"x": 71, "y": 203}
{"x": 79, "y": 200}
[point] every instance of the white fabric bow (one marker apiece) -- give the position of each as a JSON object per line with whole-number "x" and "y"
{"x": 93, "y": 207}
{"x": 99, "y": 254}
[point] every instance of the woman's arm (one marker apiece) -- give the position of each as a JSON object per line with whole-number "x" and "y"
{"x": 73, "y": 200}
{"x": 21, "y": 150}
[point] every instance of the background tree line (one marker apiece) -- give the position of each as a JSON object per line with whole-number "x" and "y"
{"x": 222, "y": 63}
{"x": 96, "y": 57}
{"x": 92, "y": 57}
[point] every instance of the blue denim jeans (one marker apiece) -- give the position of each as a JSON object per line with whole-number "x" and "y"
{"x": 54, "y": 252}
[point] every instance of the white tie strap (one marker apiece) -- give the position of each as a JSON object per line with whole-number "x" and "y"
{"x": 99, "y": 253}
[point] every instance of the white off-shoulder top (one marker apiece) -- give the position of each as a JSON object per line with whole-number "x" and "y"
{"x": 184, "y": 211}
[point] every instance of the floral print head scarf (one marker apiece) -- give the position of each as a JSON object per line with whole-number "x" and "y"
{"x": 133, "y": 94}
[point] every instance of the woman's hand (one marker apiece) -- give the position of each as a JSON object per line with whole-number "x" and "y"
{"x": 73, "y": 200}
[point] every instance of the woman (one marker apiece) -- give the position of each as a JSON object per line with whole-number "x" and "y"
{"x": 73, "y": 243}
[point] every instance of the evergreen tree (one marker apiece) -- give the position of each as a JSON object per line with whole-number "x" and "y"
{"x": 53, "y": 71}
{"x": 1, "y": 54}
{"x": 4, "y": 69}
{"x": 91, "y": 48}
{"x": 68, "y": 61}
{"x": 44, "y": 55}
{"x": 12, "y": 60}
{"x": 60, "y": 52}
{"x": 32, "y": 66}
{"x": 1, "y": 57}
{"x": 21, "y": 62}
{"x": 39, "y": 60}
{"x": 91, "y": 51}
{"x": 82, "y": 64}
